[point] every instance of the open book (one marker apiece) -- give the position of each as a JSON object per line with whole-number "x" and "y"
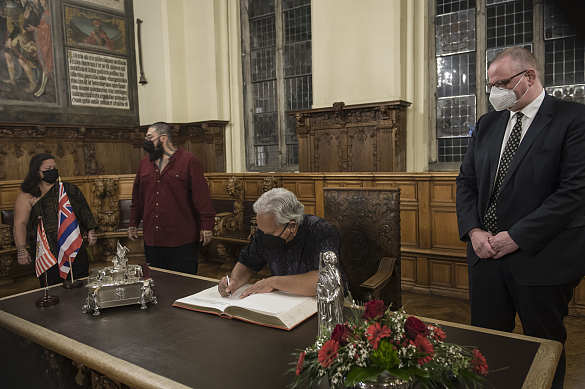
{"x": 275, "y": 309}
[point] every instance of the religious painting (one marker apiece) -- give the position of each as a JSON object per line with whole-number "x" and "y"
{"x": 94, "y": 31}
{"x": 118, "y": 5}
{"x": 26, "y": 42}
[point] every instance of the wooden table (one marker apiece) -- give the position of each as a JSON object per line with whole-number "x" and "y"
{"x": 164, "y": 347}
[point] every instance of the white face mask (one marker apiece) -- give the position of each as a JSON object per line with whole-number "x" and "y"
{"x": 505, "y": 98}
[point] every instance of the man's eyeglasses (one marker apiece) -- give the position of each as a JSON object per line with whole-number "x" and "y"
{"x": 502, "y": 83}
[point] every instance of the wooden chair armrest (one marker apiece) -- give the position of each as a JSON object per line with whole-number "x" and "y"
{"x": 375, "y": 283}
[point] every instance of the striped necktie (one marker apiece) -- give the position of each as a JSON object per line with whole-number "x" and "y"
{"x": 490, "y": 220}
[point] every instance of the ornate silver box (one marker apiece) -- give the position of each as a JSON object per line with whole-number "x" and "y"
{"x": 120, "y": 284}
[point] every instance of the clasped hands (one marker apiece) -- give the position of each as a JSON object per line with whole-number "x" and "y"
{"x": 262, "y": 286}
{"x": 487, "y": 245}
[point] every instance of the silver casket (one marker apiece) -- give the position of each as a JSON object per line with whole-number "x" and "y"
{"x": 117, "y": 285}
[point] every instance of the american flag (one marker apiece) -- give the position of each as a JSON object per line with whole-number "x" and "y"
{"x": 68, "y": 235}
{"x": 45, "y": 258}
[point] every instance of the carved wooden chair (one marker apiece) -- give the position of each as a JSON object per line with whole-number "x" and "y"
{"x": 368, "y": 223}
{"x": 231, "y": 221}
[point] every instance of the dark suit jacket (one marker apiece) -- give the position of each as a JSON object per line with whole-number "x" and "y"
{"x": 542, "y": 198}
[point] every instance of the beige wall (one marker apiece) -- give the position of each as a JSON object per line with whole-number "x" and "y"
{"x": 191, "y": 59}
{"x": 363, "y": 51}
{"x": 372, "y": 51}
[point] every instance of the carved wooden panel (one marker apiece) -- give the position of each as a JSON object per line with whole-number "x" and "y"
{"x": 368, "y": 223}
{"x": 354, "y": 138}
{"x": 98, "y": 150}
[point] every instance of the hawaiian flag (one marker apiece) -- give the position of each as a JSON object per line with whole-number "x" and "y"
{"x": 68, "y": 235}
{"x": 45, "y": 258}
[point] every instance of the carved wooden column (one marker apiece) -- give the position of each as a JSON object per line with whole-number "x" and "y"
{"x": 353, "y": 138}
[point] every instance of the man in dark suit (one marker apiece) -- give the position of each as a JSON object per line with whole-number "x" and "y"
{"x": 521, "y": 204}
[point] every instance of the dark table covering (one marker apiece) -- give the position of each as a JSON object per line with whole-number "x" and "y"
{"x": 207, "y": 351}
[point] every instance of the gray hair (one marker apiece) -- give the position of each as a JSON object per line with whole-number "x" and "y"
{"x": 163, "y": 128}
{"x": 283, "y": 204}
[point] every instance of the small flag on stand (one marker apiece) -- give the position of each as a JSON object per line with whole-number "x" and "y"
{"x": 45, "y": 258}
{"x": 68, "y": 235}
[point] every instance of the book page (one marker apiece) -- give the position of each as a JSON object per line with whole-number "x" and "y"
{"x": 210, "y": 298}
{"x": 271, "y": 303}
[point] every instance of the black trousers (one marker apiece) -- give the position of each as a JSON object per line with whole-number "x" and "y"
{"x": 80, "y": 269}
{"x": 495, "y": 297}
{"x": 183, "y": 259}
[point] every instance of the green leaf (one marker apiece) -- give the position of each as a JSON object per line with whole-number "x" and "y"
{"x": 361, "y": 374}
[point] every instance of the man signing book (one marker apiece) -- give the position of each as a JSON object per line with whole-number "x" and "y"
{"x": 289, "y": 242}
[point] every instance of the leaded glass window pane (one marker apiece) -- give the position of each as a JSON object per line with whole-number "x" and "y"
{"x": 509, "y": 24}
{"x": 452, "y": 149}
{"x": 297, "y": 25}
{"x": 263, "y": 64}
{"x": 456, "y": 75}
{"x": 555, "y": 25}
{"x": 455, "y": 116}
{"x": 564, "y": 62}
{"x": 258, "y": 8}
{"x": 455, "y": 32}
{"x": 290, "y": 4}
{"x": 448, "y": 6}
{"x": 277, "y": 60}
{"x": 262, "y": 32}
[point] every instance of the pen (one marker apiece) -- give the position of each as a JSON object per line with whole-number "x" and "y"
{"x": 228, "y": 282}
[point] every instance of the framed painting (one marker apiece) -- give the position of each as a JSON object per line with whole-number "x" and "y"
{"x": 94, "y": 31}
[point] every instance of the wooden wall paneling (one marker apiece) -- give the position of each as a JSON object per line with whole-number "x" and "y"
{"x": 408, "y": 269}
{"x": 443, "y": 192}
{"x": 409, "y": 226}
{"x": 422, "y": 278}
{"x": 125, "y": 185}
{"x": 424, "y": 214}
{"x": 98, "y": 150}
{"x": 444, "y": 231}
{"x": 252, "y": 188}
{"x": 461, "y": 276}
{"x": 440, "y": 273}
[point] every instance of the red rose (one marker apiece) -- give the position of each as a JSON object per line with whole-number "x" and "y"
{"x": 374, "y": 309}
{"x": 479, "y": 363}
{"x": 341, "y": 334}
{"x": 300, "y": 363}
{"x": 415, "y": 327}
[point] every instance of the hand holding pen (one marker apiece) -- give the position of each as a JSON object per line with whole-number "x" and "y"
{"x": 228, "y": 282}
{"x": 224, "y": 286}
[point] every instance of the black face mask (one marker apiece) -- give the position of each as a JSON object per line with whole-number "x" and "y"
{"x": 155, "y": 151}
{"x": 272, "y": 242}
{"x": 50, "y": 176}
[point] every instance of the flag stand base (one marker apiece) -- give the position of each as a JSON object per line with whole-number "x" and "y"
{"x": 71, "y": 285}
{"x": 47, "y": 301}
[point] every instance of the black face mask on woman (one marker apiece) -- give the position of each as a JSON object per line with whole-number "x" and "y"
{"x": 50, "y": 176}
{"x": 155, "y": 151}
{"x": 272, "y": 242}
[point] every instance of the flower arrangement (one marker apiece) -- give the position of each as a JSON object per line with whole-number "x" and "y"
{"x": 382, "y": 341}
